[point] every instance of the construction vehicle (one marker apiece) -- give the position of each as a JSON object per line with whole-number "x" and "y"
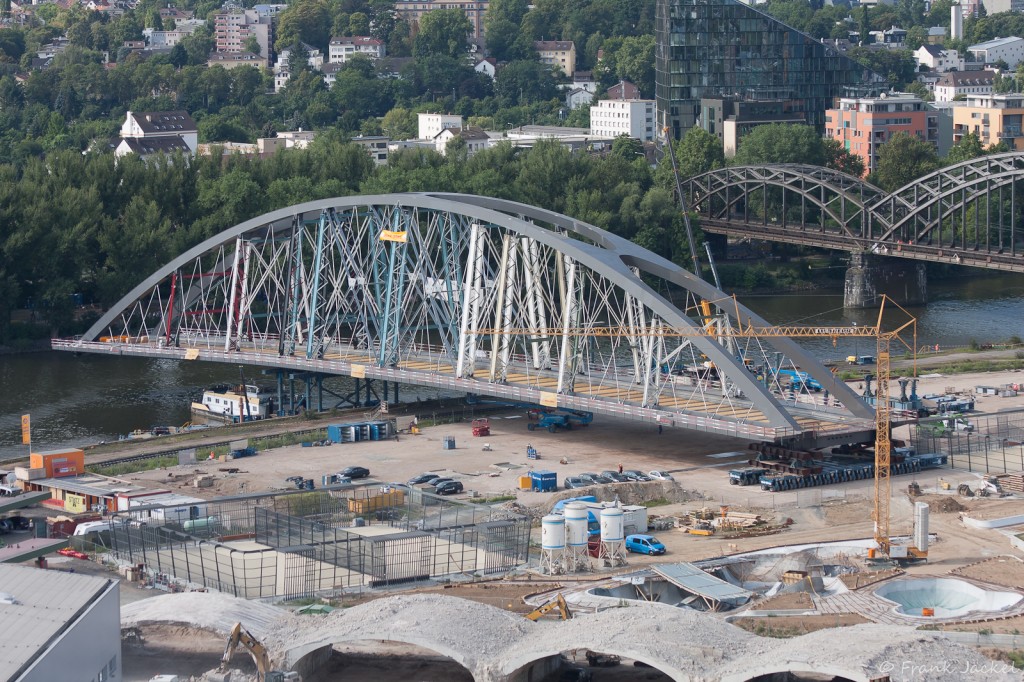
{"x": 964, "y": 490}
{"x": 241, "y": 636}
{"x": 555, "y": 421}
{"x": 481, "y": 427}
{"x": 557, "y": 603}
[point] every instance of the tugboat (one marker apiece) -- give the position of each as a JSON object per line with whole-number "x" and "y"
{"x": 233, "y": 404}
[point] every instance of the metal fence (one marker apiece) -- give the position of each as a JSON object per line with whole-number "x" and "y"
{"x": 988, "y": 443}
{"x": 303, "y": 543}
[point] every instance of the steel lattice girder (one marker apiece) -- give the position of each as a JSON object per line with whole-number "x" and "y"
{"x": 405, "y": 280}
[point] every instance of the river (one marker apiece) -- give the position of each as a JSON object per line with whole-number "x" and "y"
{"x": 85, "y": 399}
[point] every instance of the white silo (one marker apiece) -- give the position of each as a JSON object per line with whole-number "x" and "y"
{"x": 613, "y": 540}
{"x": 577, "y": 537}
{"x": 921, "y": 526}
{"x": 552, "y": 544}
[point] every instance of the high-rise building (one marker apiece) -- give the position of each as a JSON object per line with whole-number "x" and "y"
{"x": 715, "y": 48}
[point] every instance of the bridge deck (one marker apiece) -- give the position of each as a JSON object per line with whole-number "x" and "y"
{"x": 730, "y": 417}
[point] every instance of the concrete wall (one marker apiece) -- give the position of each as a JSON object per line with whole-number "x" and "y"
{"x": 90, "y": 645}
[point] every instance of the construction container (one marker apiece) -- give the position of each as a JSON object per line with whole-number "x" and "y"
{"x": 57, "y": 463}
{"x": 544, "y": 481}
{"x": 525, "y": 483}
{"x": 395, "y": 498}
{"x": 448, "y": 443}
{"x": 28, "y": 473}
{"x": 329, "y": 479}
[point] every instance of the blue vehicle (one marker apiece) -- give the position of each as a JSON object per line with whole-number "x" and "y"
{"x": 644, "y": 544}
{"x": 799, "y": 380}
{"x": 555, "y": 421}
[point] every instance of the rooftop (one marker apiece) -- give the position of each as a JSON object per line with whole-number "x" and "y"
{"x": 35, "y": 606}
{"x": 93, "y": 484}
{"x": 990, "y": 44}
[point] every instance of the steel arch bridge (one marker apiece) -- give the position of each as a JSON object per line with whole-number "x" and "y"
{"x": 480, "y": 296}
{"x": 969, "y": 213}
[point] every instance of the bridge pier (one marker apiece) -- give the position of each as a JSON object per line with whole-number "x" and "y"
{"x": 871, "y": 275}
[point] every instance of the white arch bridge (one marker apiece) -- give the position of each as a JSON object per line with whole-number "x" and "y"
{"x": 482, "y": 296}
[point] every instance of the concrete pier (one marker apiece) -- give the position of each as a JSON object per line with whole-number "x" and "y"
{"x": 871, "y": 275}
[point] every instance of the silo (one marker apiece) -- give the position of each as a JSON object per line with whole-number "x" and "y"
{"x": 613, "y": 541}
{"x": 921, "y": 526}
{"x": 552, "y": 544}
{"x": 577, "y": 537}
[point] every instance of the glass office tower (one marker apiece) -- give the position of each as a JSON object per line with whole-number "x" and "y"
{"x": 714, "y": 48}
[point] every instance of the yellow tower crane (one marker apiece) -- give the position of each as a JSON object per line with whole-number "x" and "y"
{"x": 883, "y": 339}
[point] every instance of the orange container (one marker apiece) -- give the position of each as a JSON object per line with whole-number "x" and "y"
{"x": 57, "y": 463}
{"x": 525, "y": 483}
{"x": 927, "y": 611}
{"x": 871, "y": 553}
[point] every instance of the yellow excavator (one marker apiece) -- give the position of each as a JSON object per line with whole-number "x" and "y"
{"x": 260, "y": 657}
{"x": 557, "y": 603}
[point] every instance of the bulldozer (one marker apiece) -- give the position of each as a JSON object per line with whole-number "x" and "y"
{"x": 239, "y": 635}
{"x": 557, "y": 603}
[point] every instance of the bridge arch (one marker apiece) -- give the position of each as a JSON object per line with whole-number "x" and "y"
{"x": 470, "y": 293}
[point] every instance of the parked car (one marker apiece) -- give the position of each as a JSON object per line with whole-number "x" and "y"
{"x": 595, "y": 479}
{"x": 635, "y": 475}
{"x": 644, "y": 544}
{"x": 660, "y": 475}
{"x": 615, "y": 476}
{"x": 571, "y": 482}
{"x": 438, "y": 481}
{"x": 424, "y": 478}
{"x": 354, "y": 472}
{"x": 9, "y": 491}
{"x": 449, "y": 488}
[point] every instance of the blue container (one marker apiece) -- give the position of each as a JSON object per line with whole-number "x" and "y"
{"x": 329, "y": 479}
{"x": 334, "y": 433}
{"x": 543, "y": 481}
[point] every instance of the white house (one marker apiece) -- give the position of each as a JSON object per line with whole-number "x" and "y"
{"x": 487, "y": 66}
{"x": 476, "y": 139}
{"x": 633, "y": 117}
{"x": 1009, "y": 50}
{"x": 340, "y": 49}
{"x": 283, "y": 70}
{"x": 578, "y": 97}
{"x": 157, "y": 132}
{"x": 937, "y": 58}
{"x": 431, "y": 124}
{"x": 964, "y": 83}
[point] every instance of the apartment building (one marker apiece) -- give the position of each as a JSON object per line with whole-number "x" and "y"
{"x": 993, "y": 118}
{"x": 863, "y": 125}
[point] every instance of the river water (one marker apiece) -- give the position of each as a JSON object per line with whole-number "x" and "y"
{"x": 85, "y": 399}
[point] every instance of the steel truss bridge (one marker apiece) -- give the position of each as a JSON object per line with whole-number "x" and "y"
{"x": 969, "y": 213}
{"x": 479, "y": 296}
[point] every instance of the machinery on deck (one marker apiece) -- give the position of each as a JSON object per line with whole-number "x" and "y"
{"x": 241, "y": 636}
{"x": 557, "y": 603}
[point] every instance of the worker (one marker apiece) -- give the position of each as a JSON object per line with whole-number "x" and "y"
{"x": 660, "y": 428}
{"x": 620, "y": 467}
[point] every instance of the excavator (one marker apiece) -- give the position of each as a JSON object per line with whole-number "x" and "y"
{"x": 557, "y": 603}
{"x": 239, "y": 635}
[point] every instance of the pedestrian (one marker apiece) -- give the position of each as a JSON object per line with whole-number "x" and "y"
{"x": 620, "y": 467}
{"x": 660, "y": 429}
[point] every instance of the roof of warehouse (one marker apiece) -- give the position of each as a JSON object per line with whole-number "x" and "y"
{"x": 93, "y": 484}
{"x": 45, "y": 602}
{"x": 693, "y": 579}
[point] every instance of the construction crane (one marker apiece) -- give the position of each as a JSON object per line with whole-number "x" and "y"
{"x": 883, "y": 410}
{"x": 557, "y": 603}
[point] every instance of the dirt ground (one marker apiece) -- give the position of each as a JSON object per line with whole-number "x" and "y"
{"x": 794, "y": 626}
{"x": 1002, "y": 570}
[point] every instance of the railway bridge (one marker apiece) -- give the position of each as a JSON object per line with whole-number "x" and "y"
{"x": 479, "y": 296}
{"x": 968, "y": 214}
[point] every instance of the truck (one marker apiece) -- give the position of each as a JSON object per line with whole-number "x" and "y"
{"x": 799, "y": 380}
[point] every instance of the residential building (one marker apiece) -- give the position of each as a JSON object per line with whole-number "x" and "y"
{"x": 476, "y": 139}
{"x": 376, "y": 146}
{"x": 993, "y": 118}
{"x": 578, "y": 97}
{"x": 893, "y": 38}
{"x": 154, "y": 132}
{"x": 710, "y": 48}
{"x": 614, "y": 117}
{"x": 1009, "y": 50}
{"x": 623, "y": 90}
{"x": 937, "y": 34}
{"x": 487, "y": 66}
{"x": 230, "y": 60}
{"x": 287, "y": 139}
{"x": 475, "y": 10}
{"x": 340, "y": 49}
{"x": 283, "y": 69}
{"x": 584, "y": 80}
{"x": 731, "y": 119}
{"x": 431, "y": 124}
{"x": 174, "y": 14}
{"x": 966, "y": 83}
{"x": 560, "y": 55}
{"x": 232, "y": 30}
{"x": 938, "y": 58}
{"x": 999, "y": 6}
{"x": 863, "y": 125}
{"x": 59, "y": 625}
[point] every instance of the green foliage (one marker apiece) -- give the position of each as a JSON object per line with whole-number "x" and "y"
{"x": 903, "y": 159}
{"x": 781, "y": 143}
{"x": 442, "y": 32}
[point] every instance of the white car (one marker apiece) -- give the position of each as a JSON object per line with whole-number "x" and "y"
{"x": 660, "y": 475}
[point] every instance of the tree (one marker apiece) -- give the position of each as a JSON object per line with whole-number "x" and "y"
{"x": 903, "y": 159}
{"x": 627, "y": 147}
{"x": 443, "y": 32}
{"x": 522, "y": 82}
{"x": 502, "y": 22}
{"x": 252, "y": 44}
{"x": 400, "y": 124}
{"x": 839, "y": 158}
{"x": 698, "y": 152}
{"x": 781, "y": 143}
{"x": 305, "y": 20}
{"x": 630, "y": 59}
{"x": 967, "y": 147}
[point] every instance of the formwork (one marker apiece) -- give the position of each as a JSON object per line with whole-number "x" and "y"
{"x": 305, "y": 543}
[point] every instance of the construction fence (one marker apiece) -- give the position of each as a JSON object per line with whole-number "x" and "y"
{"x": 302, "y": 544}
{"x": 986, "y": 444}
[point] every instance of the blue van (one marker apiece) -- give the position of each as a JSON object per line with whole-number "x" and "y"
{"x": 644, "y": 544}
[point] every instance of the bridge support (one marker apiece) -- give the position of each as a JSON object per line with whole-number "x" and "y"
{"x": 871, "y": 275}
